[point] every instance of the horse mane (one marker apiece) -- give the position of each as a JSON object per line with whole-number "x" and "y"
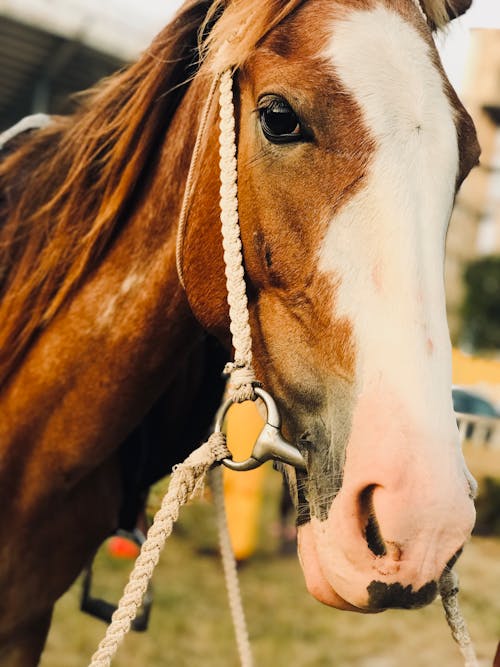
{"x": 66, "y": 190}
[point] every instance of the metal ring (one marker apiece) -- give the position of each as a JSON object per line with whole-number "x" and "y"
{"x": 270, "y": 445}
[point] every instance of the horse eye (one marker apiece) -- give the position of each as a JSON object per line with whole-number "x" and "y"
{"x": 279, "y": 122}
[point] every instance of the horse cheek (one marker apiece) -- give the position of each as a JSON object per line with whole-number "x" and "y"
{"x": 202, "y": 255}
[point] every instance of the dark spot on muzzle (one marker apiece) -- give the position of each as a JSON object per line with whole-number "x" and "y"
{"x": 396, "y": 596}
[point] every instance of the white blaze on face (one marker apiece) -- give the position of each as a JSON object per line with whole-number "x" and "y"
{"x": 387, "y": 244}
{"x": 403, "y": 474}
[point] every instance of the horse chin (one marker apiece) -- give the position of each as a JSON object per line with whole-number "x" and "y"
{"x": 316, "y": 582}
{"x": 352, "y": 591}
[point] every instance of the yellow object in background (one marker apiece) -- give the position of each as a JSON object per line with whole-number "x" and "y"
{"x": 478, "y": 372}
{"x": 243, "y": 490}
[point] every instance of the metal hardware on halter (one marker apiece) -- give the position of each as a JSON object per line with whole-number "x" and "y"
{"x": 270, "y": 445}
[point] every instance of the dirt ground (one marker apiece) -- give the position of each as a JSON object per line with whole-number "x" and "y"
{"x": 190, "y": 624}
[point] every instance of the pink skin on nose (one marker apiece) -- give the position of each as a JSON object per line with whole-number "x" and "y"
{"x": 415, "y": 487}
{"x": 316, "y": 582}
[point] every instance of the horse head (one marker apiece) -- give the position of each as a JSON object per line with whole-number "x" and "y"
{"x": 351, "y": 147}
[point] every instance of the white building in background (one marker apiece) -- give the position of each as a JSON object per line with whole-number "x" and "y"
{"x": 121, "y": 28}
{"x": 50, "y": 49}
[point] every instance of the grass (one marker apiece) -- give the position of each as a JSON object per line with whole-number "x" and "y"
{"x": 191, "y": 627}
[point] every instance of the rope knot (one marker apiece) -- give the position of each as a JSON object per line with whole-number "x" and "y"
{"x": 242, "y": 381}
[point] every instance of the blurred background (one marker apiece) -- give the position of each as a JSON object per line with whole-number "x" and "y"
{"x": 50, "y": 49}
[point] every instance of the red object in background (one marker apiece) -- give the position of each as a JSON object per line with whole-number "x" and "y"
{"x": 496, "y": 662}
{"x": 122, "y": 547}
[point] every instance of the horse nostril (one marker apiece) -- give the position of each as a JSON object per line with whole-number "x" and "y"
{"x": 373, "y": 536}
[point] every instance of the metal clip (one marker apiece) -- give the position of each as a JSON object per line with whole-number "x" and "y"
{"x": 270, "y": 445}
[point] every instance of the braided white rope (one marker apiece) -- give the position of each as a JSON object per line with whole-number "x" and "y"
{"x": 231, "y": 241}
{"x": 241, "y": 371}
{"x": 449, "y": 589}
{"x": 230, "y": 572}
{"x": 187, "y": 479}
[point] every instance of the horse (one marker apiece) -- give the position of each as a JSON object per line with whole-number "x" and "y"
{"x": 351, "y": 147}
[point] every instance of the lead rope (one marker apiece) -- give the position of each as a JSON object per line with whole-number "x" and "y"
{"x": 242, "y": 375}
{"x": 187, "y": 480}
{"x": 449, "y": 589}
{"x": 188, "y": 477}
{"x": 230, "y": 571}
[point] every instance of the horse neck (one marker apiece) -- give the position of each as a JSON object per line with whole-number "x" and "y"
{"x": 121, "y": 341}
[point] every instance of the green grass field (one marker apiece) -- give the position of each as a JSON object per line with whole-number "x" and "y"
{"x": 190, "y": 624}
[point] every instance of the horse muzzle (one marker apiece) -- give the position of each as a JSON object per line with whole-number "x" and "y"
{"x": 401, "y": 516}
